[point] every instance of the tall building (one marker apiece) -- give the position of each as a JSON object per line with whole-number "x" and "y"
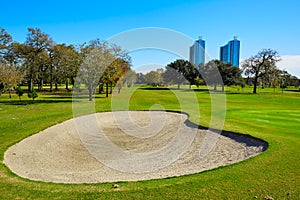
{"x": 197, "y": 52}
{"x": 230, "y": 53}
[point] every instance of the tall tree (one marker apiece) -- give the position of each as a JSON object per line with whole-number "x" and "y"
{"x": 230, "y": 75}
{"x": 185, "y": 71}
{"x": 172, "y": 76}
{"x": 34, "y": 55}
{"x": 216, "y": 72}
{"x": 94, "y": 66}
{"x": 65, "y": 61}
{"x": 210, "y": 74}
{"x": 5, "y": 42}
{"x": 260, "y": 65}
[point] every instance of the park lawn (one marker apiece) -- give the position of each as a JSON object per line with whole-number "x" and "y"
{"x": 273, "y": 117}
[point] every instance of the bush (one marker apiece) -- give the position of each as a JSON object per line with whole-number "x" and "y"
{"x": 19, "y": 92}
{"x": 32, "y": 95}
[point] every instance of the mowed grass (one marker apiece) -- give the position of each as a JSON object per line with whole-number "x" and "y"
{"x": 273, "y": 117}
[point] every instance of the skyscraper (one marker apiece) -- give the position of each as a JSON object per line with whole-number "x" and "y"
{"x": 197, "y": 52}
{"x": 230, "y": 53}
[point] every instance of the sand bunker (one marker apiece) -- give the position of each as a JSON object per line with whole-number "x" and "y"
{"x": 126, "y": 146}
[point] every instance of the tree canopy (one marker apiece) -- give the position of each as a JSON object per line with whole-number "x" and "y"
{"x": 261, "y": 65}
{"x": 179, "y": 71}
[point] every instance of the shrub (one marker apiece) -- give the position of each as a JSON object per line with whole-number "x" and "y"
{"x": 32, "y": 95}
{"x": 19, "y": 92}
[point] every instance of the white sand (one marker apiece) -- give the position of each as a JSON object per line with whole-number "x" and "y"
{"x": 59, "y": 154}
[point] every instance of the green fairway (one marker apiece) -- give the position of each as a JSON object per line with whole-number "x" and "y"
{"x": 268, "y": 115}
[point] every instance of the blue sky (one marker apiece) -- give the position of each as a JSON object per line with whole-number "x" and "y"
{"x": 257, "y": 23}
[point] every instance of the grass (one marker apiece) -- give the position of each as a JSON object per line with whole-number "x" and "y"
{"x": 271, "y": 116}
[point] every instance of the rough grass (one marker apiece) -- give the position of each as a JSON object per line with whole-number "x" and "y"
{"x": 271, "y": 116}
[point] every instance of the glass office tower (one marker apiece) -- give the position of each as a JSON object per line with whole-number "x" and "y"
{"x": 230, "y": 53}
{"x": 197, "y": 52}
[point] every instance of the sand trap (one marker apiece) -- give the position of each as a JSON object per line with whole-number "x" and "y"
{"x": 156, "y": 145}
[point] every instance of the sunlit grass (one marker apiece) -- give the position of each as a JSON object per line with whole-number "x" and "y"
{"x": 271, "y": 116}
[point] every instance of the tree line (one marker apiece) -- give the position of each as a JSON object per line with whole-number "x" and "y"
{"x": 39, "y": 60}
{"x": 182, "y": 71}
{"x": 260, "y": 69}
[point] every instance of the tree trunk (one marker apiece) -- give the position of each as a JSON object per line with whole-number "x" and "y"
{"x": 40, "y": 84}
{"x": 51, "y": 79}
{"x": 119, "y": 88}
{"x": 30, "y": 85}
{"x": 51, "y": 87}
{"x": 106, "y": 89}
{"x": 215, "y": 87}
{"x": 56, "y": 86}
{"x": 223, "y": 88}
{"x": 255, "y": 84}
{"x": 67, "y": 84}
{"x": 9, "y": 91}
{"x": 100, "y": 88}
{"x": 72, "y": 81}
{"x": 90, "y": 94}
{"x": 111, "y": 86}
{"x": 178, "y": 86}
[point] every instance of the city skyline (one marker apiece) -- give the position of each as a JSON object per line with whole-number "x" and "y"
{"x": 229, "y": 53}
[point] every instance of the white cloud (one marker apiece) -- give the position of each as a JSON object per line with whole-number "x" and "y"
{"x": 290, "y": 64}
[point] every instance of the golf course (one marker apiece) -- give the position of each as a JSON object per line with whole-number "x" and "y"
{"x": 271, "y": 115}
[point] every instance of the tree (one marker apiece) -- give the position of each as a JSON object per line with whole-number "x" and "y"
{"x": 172, "y": 76}
{"x": 129, "y": 78}
{"x": 5, "y": 42}
{"x": 184, "y": 71}
{"x": 216, "y": 72}
{"x": 260, "y": 65}
{"x": 34, "y": 56}
{"x": 153, "y": 78}
{"x": 199, "y": 81}
{"x": 65, "y": 61}
{"x": 271, "y": 79}
{"x": 102, "y": 63}
{"x": 119, "y": 68}
{"x": 10, "y": 77}
{"x": 94, "y": 66}
{"x": 109, "y": 76}
{"x": 210, "y": 74}
{"x": 140, "y": 78}
{"x": 113, "y": 73}
{"x": 230, "y": 75}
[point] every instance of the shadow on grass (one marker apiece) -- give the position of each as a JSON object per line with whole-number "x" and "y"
{"x": 292, "y": 90}
{"x": 175, "y": 88}
{"x": 48, "y": 100}
{"x": 71, "y": 97}
{"x": 201, "y": 90}
{"x": 28, "y": 102}
{"x": 154, "y": 88}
